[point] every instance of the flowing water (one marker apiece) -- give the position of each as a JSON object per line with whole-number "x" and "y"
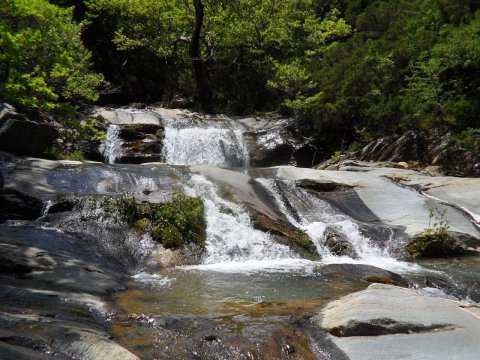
{"x": 189, "y": 141}
{"x": 248, "y": 288}
{"x": 112, "y": 146}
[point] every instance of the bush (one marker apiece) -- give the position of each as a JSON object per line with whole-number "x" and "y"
{"x": 62, "y": 155}
{"x": 469, "y": 139}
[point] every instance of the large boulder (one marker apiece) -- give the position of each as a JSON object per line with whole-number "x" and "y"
{"x": 411, "y": 146}
{"x": 273, "y": 140}
{"x": 388, "y": 322}
{"x": 21, "y": 136}
{"x": 363, "y": 273}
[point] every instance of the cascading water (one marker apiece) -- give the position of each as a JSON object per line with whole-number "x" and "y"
{"x": 316, "y": 216}
{"x": 111, "y": 148}
{"x": 219, "y": 143}
{"x": 232, "y": 242}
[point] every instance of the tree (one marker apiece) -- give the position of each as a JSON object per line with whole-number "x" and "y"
{"x": 43, "y": 63}
{"x": 202, "y": 88}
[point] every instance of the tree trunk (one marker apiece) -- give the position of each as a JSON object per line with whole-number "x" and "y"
{"x": 199, "y": 73}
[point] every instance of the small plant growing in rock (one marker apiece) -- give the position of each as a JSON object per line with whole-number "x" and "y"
{"x": 337, "y": 157}
{"x": 437, "y": 224}
{"x": 435, "y": 239}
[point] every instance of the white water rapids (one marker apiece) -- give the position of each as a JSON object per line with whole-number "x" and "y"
{"x": 233, "y": 245}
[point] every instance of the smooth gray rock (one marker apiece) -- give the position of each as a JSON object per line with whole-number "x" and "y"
{"x": 388, "y": 322}
{"x": 88, "y": 345}
{"x": 390, "y": 203}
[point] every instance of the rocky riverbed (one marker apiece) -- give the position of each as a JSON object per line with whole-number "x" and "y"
{"x": 294, "y": 263}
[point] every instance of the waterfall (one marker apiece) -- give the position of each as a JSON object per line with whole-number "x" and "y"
{"x": 206, "y": 142}
{"x": 111, "y": 148}
{"x": 232, "y": 243}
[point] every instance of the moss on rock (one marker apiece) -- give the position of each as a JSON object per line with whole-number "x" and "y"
{"x": 431, "y": 244}
{"x": 173, "y": 224}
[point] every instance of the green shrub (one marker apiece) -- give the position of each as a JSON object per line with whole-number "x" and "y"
{"x": 173, "y": 224}
{"x": 57, "y": 154}
{"x": 469, "y": 139}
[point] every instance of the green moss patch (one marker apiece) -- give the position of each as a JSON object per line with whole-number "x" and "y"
{"x": 173, "y": 224}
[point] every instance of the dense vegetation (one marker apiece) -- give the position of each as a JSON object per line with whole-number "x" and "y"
{"x": 351, "y": 70}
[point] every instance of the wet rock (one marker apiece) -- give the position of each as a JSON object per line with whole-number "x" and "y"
{"x": 21, "y": 136}
{"x": 15, "y": 205}
{"x": 442, "y": 244}
{"x": 88, "y": 345}
{"x": 286, "y": 234}
{"x": 322, "y": 185}
{"x": 378, "y": 200}
{"x": 16, "y": 352}
{"x": 410, "y": 323}
{"x": 366, "y": 273}
{"x": 141, "y": 143}
{"x": 338, "y": 244}
{"x": 22, "y": 260}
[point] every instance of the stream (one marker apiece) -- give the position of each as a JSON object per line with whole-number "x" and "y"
{"x": 249, "y": 296}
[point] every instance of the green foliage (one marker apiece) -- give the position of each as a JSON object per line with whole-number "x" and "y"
{"x": 43, "y": 63}
{"x": 82, "y": 128}
{"x": 350, "y": 71}
{"x": 61, "y": 155}
{"x": 469, "y": 139}
{"x": 173, "y": 224}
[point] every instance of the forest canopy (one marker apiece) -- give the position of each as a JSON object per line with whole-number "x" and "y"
{"x": 349, "y": 71}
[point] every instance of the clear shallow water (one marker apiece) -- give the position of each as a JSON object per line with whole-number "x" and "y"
{"x": 190, "y": 290}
